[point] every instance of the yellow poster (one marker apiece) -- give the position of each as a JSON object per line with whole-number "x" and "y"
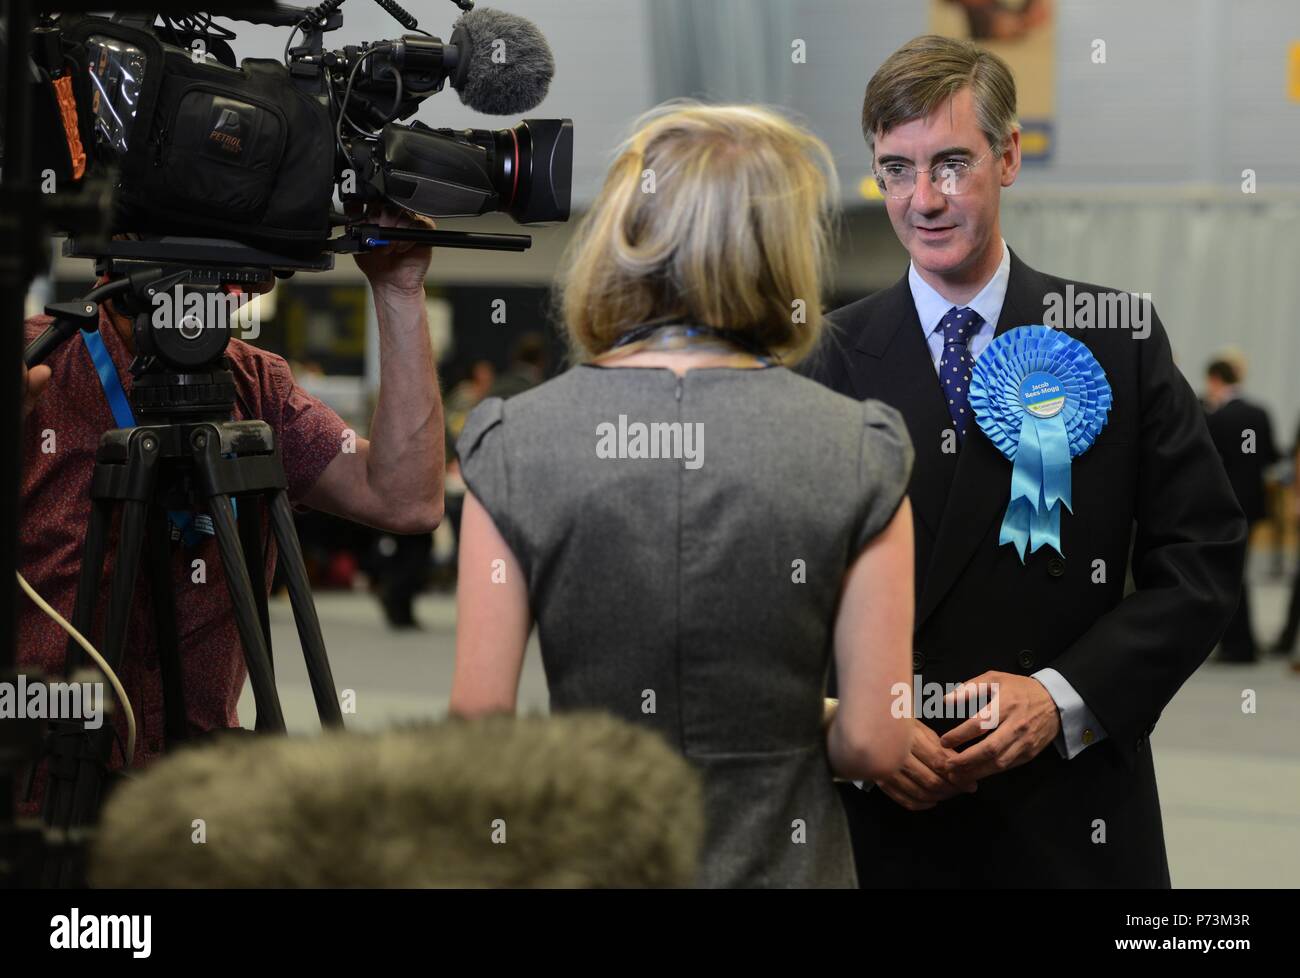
{"x": 1022, "y": 33}
{"x": 1293, "y": 73}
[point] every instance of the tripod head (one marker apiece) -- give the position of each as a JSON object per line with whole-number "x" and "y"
{"x": 186, "y": 294}
{"x": 185, "y": 297}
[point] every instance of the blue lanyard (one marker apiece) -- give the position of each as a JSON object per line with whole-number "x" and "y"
{"x": 189, "y": 527}
{"x": 108, "y": 378}
{"x": 692, "y": 334}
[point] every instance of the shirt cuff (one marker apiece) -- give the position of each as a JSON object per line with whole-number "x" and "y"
{"x": 1079, "y": 726}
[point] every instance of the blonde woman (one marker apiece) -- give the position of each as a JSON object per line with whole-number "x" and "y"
{"x": 694, "y": 527}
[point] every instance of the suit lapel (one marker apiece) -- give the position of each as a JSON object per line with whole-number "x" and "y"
{"x": 901, "y": 373}
{"x": 981, "y": 485}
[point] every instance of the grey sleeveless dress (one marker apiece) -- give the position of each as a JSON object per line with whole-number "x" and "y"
{"x": 695, "y": 593}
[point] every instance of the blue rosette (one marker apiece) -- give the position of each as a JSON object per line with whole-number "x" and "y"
{"x": 1042, "y": 398}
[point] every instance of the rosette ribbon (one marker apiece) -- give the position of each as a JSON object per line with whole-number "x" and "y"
{"x": 1042, "y": 398}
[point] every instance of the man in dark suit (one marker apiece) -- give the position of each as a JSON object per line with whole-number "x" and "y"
{"x": 1243, "y": 435}
{"x": 1061, "y": 791}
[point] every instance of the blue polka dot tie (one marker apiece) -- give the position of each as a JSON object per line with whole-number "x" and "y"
{"x": 959, "y": 325}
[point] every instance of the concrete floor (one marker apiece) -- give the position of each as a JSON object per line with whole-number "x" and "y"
{"x": 1229, "y": 780}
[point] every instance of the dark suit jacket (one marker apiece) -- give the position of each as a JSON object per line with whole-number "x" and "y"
{"x": 1245, "y": 470}
{"x": 1152, "y": 482}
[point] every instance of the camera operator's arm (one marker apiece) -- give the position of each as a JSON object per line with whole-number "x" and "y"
{"x": 394, "y": 480}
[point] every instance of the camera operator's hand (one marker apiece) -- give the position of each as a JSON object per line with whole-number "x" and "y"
{"x": 393, "y": 479}
{"x": 34, "y": 382}
{"x": 402, "y": 265}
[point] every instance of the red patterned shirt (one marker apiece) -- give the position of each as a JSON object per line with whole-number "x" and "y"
{"x": 59, "y": 441}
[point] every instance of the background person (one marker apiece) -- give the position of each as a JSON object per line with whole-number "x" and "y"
{"x": 1243, "y": 436}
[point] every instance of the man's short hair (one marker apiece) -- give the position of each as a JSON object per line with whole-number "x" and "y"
{"x": 530, "y": 349}
{"x": 1223, "y": 371}
{"x": 927, "y": 71}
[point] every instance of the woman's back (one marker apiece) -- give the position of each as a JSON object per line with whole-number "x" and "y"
{"x": 685, "y": 539}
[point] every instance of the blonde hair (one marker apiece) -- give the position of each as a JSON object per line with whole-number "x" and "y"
{"x": 927, "y": 71}
{"x": 720, "y": 215}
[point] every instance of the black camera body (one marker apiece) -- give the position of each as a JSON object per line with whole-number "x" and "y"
{"x": 235, "y": 152}
{"x": 255, "y": 152}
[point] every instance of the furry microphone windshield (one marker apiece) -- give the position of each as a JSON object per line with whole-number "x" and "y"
{"x": 573, "y": 800}
{"x": 509, "y": 66}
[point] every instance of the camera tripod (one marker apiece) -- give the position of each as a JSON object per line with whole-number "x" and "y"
{"x": 184, "y": 454}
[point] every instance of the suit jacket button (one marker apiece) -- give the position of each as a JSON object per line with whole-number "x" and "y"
{"x": 1026, "y": 659}
{"x": 918, "y": 661}
{"x": 1056, "y": 567}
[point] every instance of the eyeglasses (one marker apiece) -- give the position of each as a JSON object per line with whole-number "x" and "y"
{"x": 898, "y": 180}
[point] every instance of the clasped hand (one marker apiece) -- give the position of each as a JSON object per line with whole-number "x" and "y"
{"x": 1016, "y": 723}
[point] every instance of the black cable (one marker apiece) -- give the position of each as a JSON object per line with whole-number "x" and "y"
{"x": 392, "y": 113}
{"x": 397, "y": 100}
{"x": 347, "y": 95}
{"x": 201, "y": 25}
{"x": 336, "y": 108}
{"x": 399, "y": 14}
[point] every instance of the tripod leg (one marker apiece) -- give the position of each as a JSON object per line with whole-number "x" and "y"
{"x": 269, "y": 715}
{"x": 248, "y": 516}
{"x": 304, "y": 612}
{"x": 92, "y": 569}
{"x": 176, "y": 727}
{"x": 66, "y": 741}
{"x": 249, "y": 519}
{"x": 93, "y": 747}
{"x": 130, "y": 543}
